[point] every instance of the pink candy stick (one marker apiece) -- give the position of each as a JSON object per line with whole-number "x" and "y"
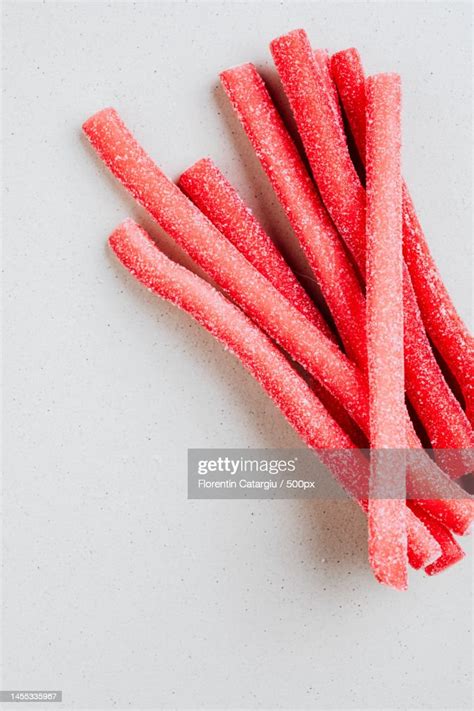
{"x": 237, "y": 332}
{"x": 209, "y": 189}
{"x": 257, "y": 353}
{"x": 444, "y": 422}
{"x": 183, "y": 221}
{"x": 442, "y": 322}
{"x": 323, "y": 138}
{"x": 258, "y": 298}
{"x": 295, "y": 191}
{"x": 387, "y": 525}
{"x": 344, "y": 196}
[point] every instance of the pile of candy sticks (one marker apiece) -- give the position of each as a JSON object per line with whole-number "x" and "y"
{"x": 395, "y": 336}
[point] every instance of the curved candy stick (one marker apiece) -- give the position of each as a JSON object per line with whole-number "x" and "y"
{"x": 307, "y": 215}
{"x": 257, "y": 353}
{"x": 387, "y": 524}
{"x": 344, "y": 196}
{"x": 210, "y": 190}
{"x": 440, "y": 317}
{"x": 260, "y": 300}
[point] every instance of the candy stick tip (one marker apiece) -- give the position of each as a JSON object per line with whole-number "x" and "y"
{"x": 107, "y": 112}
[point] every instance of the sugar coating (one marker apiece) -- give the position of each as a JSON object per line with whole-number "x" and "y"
{"x": 442, "y": 416}
{"x": 257, "y": 353}
{"x": 306, "y": 213}
{"x": 387, "y": 524}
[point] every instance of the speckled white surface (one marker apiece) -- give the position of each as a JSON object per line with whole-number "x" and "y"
{"x": 116, "y": 589}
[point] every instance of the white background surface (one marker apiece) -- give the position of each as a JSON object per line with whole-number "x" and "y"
{"x": 118, "y": 590}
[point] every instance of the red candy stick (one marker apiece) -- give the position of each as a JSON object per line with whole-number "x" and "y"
{"x": 451, "y": 551}
{"x": 259, "y": 299}
{"x": 448, "y": 428}
{"x": 295, "y": 190}
{"x": 323, "y": 138}
{"x": 440, "y": 317}
{"x": 443, "y": 323}
{"x": 236, "y": 331}
{"x": 421, "y": 544}
{"x": 256, "y": 352}
{"x": 349, "y": 78}
{"x": 387, "y": 525}
{"x": 344, "y": 196}
{"x": 209, "y": 189}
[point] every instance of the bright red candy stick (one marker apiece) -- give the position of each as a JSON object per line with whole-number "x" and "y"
{"x": 451, "y": 551}
{"x": 344, "y": 196}
{"x": 210, "y": 190}
{"x": 387, "y": 525}
{"x": 440, "y": 317}
{"x": 260, "y": 300}
{"x": 308, "y": 217}
{"x": 256, "y": 352}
